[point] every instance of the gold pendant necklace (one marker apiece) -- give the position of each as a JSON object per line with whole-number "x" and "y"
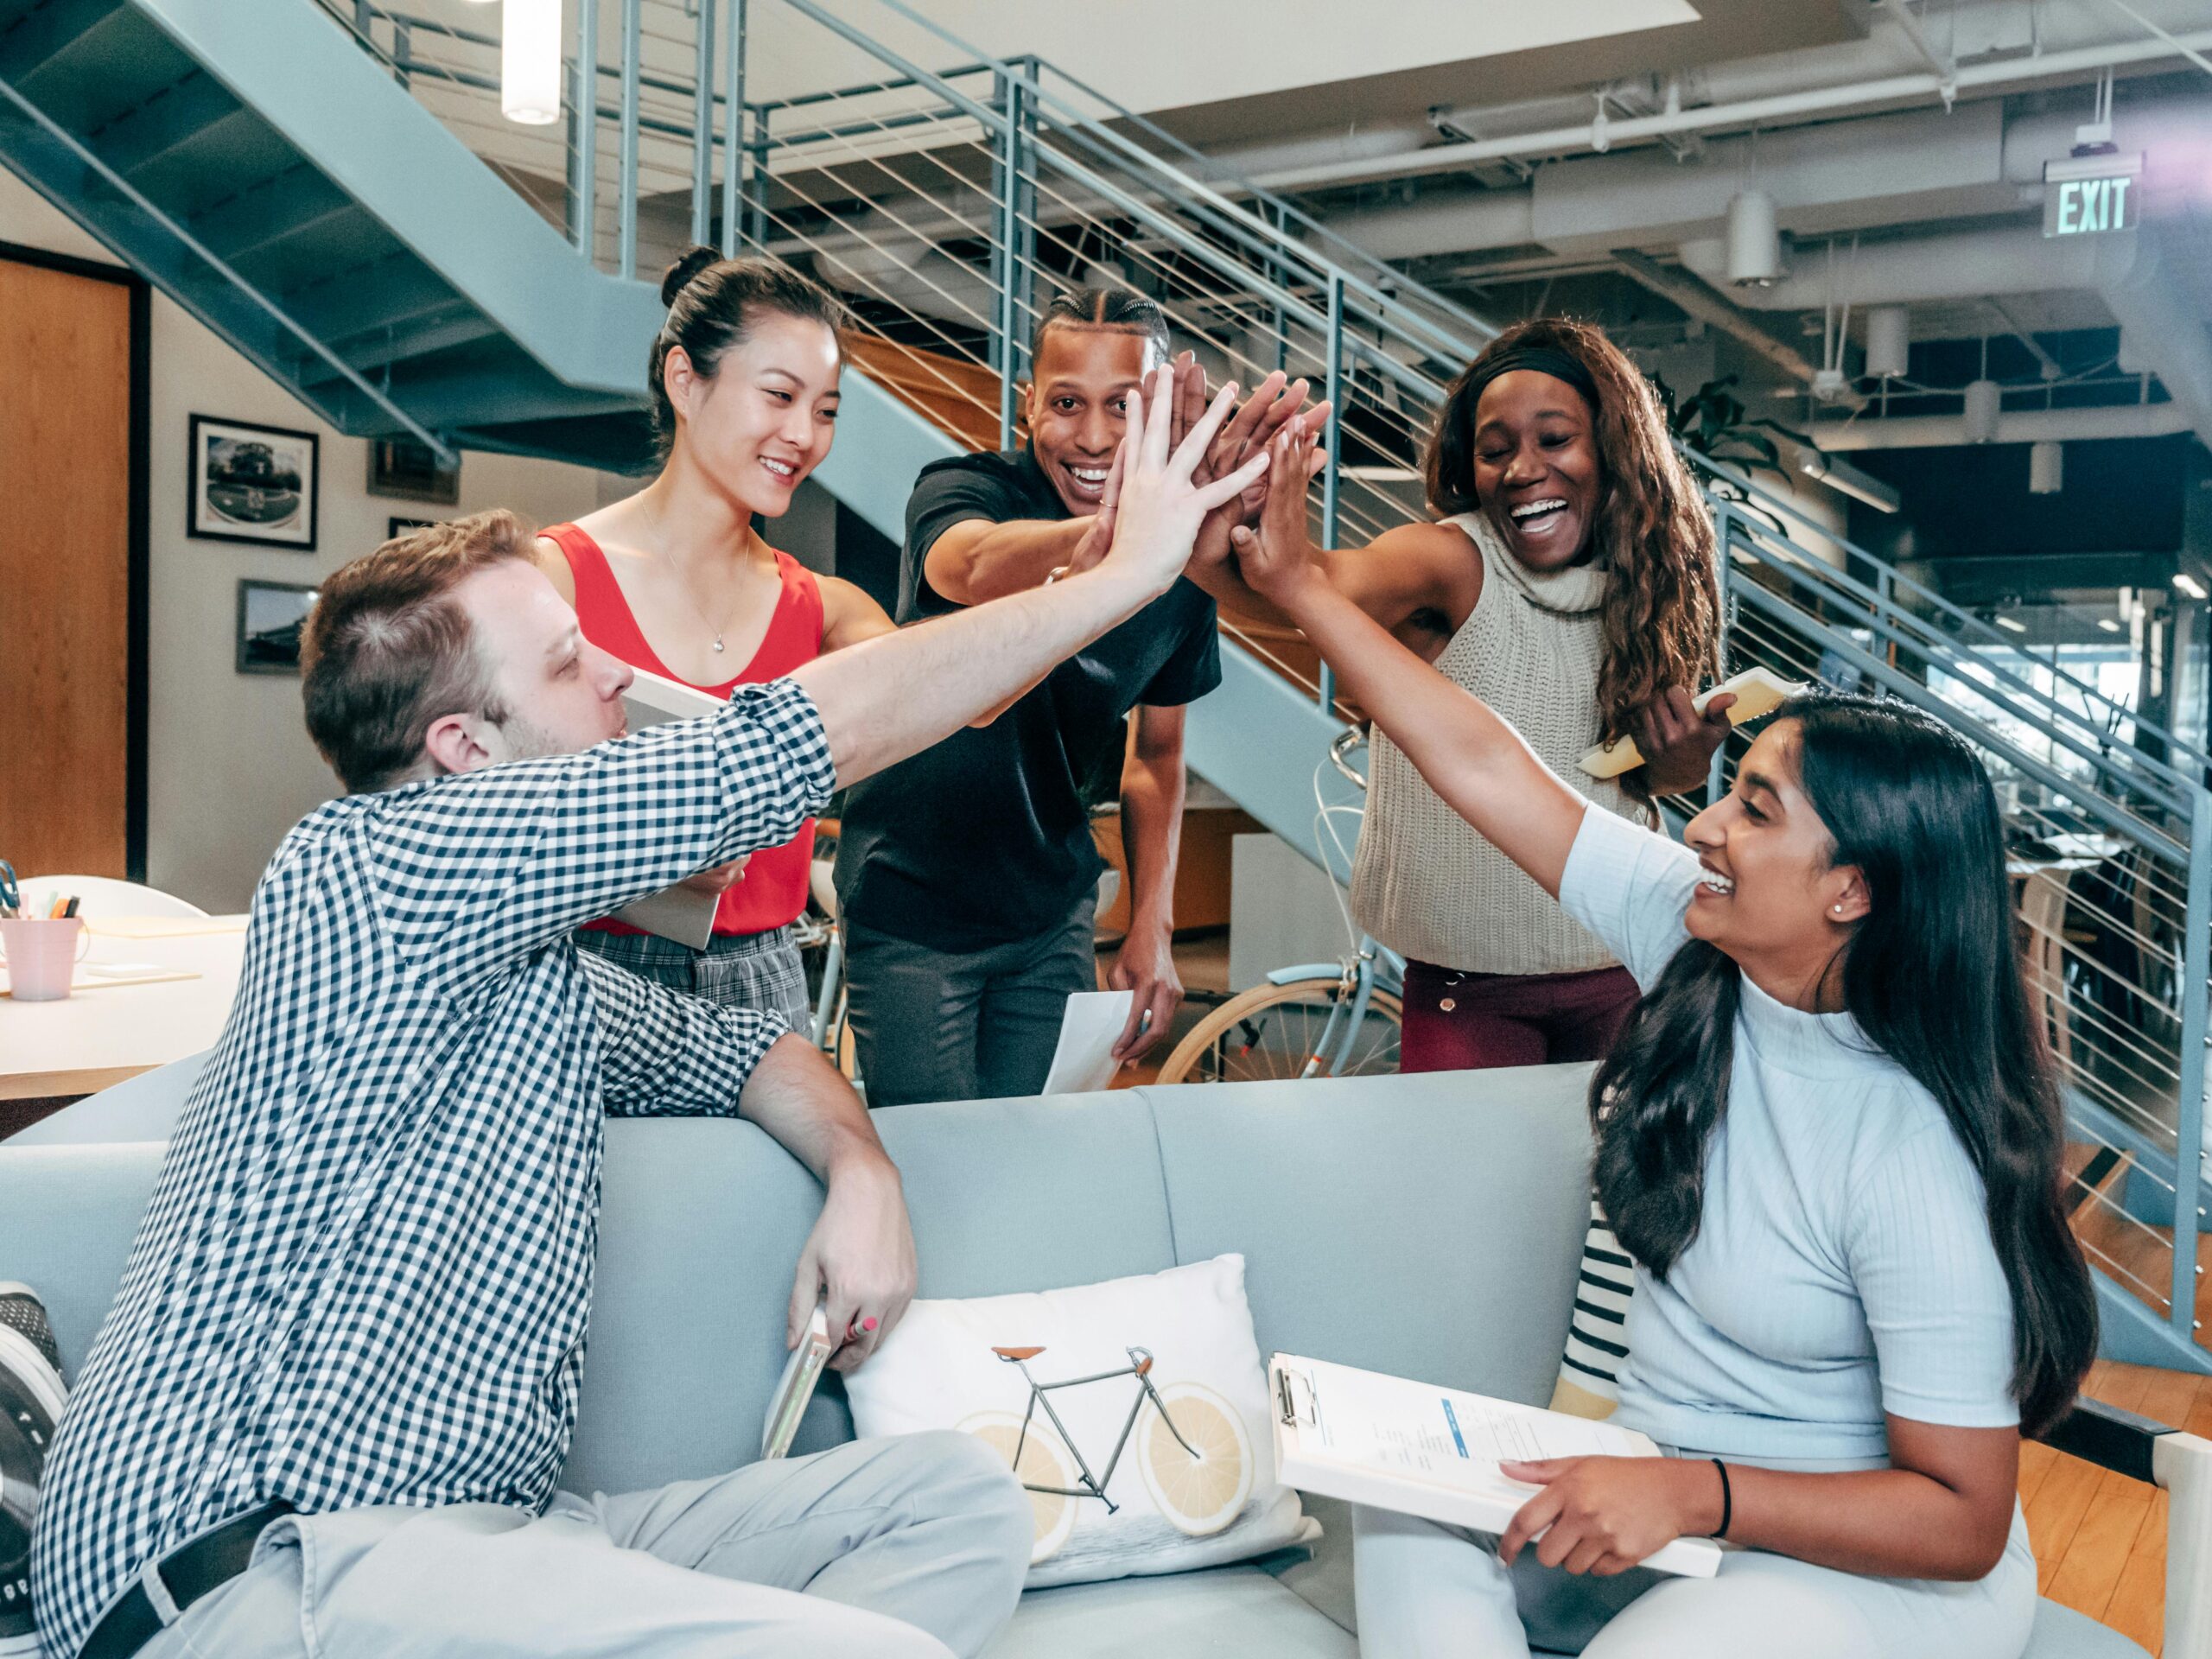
{"x": 691, "y": 593}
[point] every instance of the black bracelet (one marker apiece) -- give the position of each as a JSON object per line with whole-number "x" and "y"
{"x": 1727, "y": 1501}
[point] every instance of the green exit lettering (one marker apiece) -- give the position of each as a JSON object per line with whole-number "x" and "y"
{"x": 2084, "y": 206}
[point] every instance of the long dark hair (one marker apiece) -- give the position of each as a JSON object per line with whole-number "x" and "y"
{"x": 1931, "y": 976}
{"x": 712, "y": 303}
{"x": 1661, "y": 623}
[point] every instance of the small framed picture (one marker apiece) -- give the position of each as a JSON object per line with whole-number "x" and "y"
{"x": 411, "y": 471}
{"x": 256, "y": 484}
{"x": 395, "y": 528}
{"x": 271, "y": 616}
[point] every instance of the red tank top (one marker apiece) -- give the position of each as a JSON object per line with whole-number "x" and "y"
{"x": 772, "y": 891}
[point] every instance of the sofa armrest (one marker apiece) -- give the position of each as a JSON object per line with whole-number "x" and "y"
{"x": 2143, "y": 1449}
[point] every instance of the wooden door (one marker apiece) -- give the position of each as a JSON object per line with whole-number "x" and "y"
{"x": 69, "y": 768}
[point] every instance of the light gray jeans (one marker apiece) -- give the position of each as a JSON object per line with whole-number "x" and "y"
{"x": 905, "y": 1549}
{"x": 1432, "y": 1591}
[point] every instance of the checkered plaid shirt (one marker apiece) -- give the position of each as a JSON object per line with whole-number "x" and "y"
{"x": 365, "y": 1272}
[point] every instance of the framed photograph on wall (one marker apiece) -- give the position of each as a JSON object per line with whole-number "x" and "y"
{"x": 411, "y": 470}
{"x": 395, "y": 528}
{"x": 250, "y": 483}
{"x": 271, "y": 616}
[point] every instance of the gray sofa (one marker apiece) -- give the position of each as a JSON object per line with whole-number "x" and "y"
{"x": 1429, "y": 1226}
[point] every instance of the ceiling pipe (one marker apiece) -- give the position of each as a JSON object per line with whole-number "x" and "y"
{"x": 2145, "y": 298}
{"x": 1948, "y": 265}
{"x": 1743, "y": 114}
{"x": 2013, "y": 426}
{"x": 1841, "y": 176}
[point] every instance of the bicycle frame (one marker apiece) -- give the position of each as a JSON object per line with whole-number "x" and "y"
{"x": 1375, "y": 964}
{"x": 1139, "y": 1367}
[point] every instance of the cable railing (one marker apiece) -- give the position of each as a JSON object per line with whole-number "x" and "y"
{"x": 949, "y": 206}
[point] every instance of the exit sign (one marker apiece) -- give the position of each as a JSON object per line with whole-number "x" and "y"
{"x": 2085, "y": 195}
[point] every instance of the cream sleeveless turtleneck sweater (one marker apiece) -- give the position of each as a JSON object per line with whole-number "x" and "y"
{"x": 1423, "y": 881}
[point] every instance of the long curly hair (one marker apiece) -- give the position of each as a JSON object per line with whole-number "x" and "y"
{"x": 1662, "y": 615}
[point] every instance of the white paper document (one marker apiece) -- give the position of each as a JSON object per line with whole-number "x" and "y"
{"x": 680, "y": 913}
{"x": 1433, "y": 1452}
{"x": 1085, "y": 1059}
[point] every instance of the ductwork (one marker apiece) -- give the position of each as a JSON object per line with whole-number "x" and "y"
{"x": 2145, "y": 300}
{"x": 1953, "y": 265}
{"x": 1880, "y": 171}
{"x": 1828, "y": 94}
{"x": 2017, "y": 426}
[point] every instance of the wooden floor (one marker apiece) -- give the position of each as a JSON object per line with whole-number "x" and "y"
{"x": 2100, "y": 1538}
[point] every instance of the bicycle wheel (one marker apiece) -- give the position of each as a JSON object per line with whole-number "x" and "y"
{"x": 1203, "y": 1495}
{"x": 1045, "y": 1462}
{"x": 1268, "y": 1033}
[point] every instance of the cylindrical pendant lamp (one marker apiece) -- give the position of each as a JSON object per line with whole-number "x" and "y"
{"x": 1983, "y": 399}
{"x": 2046, "y": 467}
{"x": 530, "y": 61}
{"x": 1889, "y": 341}
{"x": 1754, "y": 240}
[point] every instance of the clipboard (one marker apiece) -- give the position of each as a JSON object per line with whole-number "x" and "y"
{"x": 800, "y": 1372}
{"x": 680, "y": 913}
{"x": 1421, "y": 1449}
{"x": 1757, "y": 691}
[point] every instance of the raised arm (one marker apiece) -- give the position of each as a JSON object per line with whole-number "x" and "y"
{"x": 1475, "y": 760}
{"x": 977, "y": 560}
{"x": 887, "y": 698}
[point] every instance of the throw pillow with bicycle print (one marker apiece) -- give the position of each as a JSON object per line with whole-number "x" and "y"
{"x": 1134, "y": 1411}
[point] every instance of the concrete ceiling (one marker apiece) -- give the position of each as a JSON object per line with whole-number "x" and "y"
{"x": 1724, "y": 30}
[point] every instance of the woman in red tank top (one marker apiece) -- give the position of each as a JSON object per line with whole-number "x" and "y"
{"x": 675, "y": 580}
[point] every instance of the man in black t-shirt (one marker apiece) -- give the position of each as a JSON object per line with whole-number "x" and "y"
{"x": 966, "y": 875}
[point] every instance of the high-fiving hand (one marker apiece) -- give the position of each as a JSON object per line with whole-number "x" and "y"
{"x": 1159, "y": 507}
{"x": 1279, "y": 555}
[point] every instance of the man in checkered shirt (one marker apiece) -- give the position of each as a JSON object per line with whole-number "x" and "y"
{"x": 339, "y": 1382}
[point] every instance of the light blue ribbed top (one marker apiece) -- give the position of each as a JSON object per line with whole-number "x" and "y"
{"x": 1843, "y": 1265}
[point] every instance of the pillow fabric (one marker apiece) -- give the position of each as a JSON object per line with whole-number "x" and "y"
{"x": 1597, "y": 1335}
{"x": 31, "y": 1405}
{"x": 1193, "y": 1487}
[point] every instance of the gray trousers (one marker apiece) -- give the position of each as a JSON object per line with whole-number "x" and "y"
{"x": 970, "y": 1025}
{"x": 747, "y": 970}
{"x": 906, "y": 1548}
{"x": 1432, "y": 1591}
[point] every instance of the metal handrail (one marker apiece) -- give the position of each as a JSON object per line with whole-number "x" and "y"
{"x": 1966, "y": 623}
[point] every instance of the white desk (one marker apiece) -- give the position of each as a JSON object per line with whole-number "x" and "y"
{"x": 92, "y": 1039}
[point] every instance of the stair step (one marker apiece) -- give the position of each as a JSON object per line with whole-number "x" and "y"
{"x": 296, "y": 200}
{"x": 43, "y": 39}
{"x": 174, "y": 117}
{"x": 387, "y": 292}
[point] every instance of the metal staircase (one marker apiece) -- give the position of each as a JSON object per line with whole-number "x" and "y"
{"x": 264, "y": 162}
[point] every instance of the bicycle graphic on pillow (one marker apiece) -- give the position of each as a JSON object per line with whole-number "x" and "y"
{"x": 1195, "y": 1458}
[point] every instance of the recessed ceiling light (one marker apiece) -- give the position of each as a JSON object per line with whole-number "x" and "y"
{"x": 2013, "y": 622}
{"x": 2109, "y": 624}
{"x": 2189, "y": 584}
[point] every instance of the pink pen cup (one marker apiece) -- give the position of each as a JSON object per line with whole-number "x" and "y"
{"x": 42, "y": 955}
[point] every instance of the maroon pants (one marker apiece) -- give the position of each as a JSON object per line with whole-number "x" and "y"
{"x": 1471, "y": 1022}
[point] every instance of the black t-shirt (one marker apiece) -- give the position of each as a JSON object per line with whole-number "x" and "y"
{"x": 985, "y": 838}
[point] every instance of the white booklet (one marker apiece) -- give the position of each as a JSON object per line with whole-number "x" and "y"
{"x": 1433, "y": 1452}
{"x": 1083, "y": 1061}
{"x": 680, "y": 913}
{"x": 1757, "y": 691}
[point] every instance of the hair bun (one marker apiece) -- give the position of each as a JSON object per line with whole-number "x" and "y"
{"x": 681, "y": 273}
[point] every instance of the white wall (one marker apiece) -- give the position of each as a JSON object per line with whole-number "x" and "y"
{"x": 229, "y": 766}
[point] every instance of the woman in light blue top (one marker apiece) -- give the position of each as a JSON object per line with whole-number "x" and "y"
{"x": 1829, "y": 1134}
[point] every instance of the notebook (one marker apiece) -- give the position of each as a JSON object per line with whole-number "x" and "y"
{"x": 1419, "y": 1449}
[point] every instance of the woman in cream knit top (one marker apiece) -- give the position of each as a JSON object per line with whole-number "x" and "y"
{"x": 1572, "y": 588}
